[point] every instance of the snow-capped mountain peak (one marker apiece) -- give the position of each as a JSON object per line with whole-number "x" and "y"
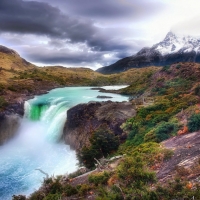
{"x": 173, "y": 49}
{"x": 174, "y": 43}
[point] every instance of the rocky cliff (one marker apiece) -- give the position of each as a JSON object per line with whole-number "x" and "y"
{"x": 10, "y": 121}
{"x": 83, "y": 119}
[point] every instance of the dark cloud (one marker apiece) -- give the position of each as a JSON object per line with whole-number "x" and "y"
{"x": 56, "y": 30}
{"x": 63, "y": 56}
{"x": 40, "y": 18}
{"x": 109, "y": 9}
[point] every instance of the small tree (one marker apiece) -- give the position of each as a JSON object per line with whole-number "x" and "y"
{"x": 103, "y": 142}
{"x": 194, "y": 123}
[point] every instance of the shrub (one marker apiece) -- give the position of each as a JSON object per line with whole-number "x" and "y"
{"x": 55, "y": 187}
{"x": 134, "y": 131}
{"x": 83, "y": 189}
{"x": 161, "y": 132}
{"x": 69, "y": 190}
{"x": 150, "y": 136}
{"x": 99, "y": 178}
{"x": 166, "y": 68}
{"x": 164, "y": 130}
{"x": 103, "y": 142}
{"x": 132, "y": 172}
{"x": 194, "y": 123}
{"x": 114, "y": 194}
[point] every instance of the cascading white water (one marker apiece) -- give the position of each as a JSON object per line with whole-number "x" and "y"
{"x": 37, "y": 143}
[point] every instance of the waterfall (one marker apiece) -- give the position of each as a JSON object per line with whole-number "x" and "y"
{"x": 52, "y": 114}
{"x": 37, "y": 144}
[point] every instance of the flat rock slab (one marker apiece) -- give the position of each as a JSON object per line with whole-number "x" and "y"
{"x": 186, "y": 150}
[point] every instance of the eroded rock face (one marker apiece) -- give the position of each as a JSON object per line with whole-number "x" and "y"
{"x": 10, "y": 121}
{"x": 83, "y": 119}
{"x": 9, "y": 125}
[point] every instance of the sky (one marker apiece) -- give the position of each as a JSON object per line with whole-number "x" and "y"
{"x": 91, "y": 33}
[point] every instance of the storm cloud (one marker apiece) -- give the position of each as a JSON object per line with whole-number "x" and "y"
{"x": 40, "y": 18}
{"x": 83, "y": 32}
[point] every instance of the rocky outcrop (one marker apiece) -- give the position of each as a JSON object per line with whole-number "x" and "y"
{"x": 83, "y": 119}
{"x": 103, "y": 97}
{"x": 185, "y": 159}
{"x": 10, "y": 121}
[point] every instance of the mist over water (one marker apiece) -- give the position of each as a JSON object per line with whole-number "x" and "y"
{"x": 37, "y": 143}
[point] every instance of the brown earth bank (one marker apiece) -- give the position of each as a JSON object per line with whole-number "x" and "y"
{"x": 84, "y": 119}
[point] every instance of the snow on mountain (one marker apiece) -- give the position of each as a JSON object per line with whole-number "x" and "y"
{"x": 176, "y": 43}
{"x": 173, "y": 49}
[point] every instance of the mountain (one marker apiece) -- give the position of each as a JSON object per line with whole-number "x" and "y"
{"x": 10, "y": 59}
{"x": 172, "y": 49}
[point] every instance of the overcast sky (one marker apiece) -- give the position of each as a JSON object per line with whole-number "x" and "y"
{"x": 91, "y": 33}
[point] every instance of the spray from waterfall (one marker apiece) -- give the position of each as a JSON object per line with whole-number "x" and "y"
{"x": 53, "y": 114}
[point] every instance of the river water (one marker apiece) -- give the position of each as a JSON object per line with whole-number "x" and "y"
{"x": 37, "y": 143}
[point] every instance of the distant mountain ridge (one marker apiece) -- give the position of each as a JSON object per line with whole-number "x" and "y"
{"x": 171, "y": 50}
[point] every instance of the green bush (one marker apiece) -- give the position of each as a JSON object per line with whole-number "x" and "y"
{"x": 161, "y": 132}
{"x": 132, "y": 172}
{"x": 99, "y": 178}
{"x": 166, "y": 68}
{"x": 114, "y": 194}
{"x": 150, "y": 136}
{"x": 164, "y": 130}
{"x": 69, "y": 190}
{"x": 55, "y": 187}
{"x": 103, "y": 142}
{"x": 83, "y": 189}
{"x": 194, "y": 123}
{"x": 134, "y": 131}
